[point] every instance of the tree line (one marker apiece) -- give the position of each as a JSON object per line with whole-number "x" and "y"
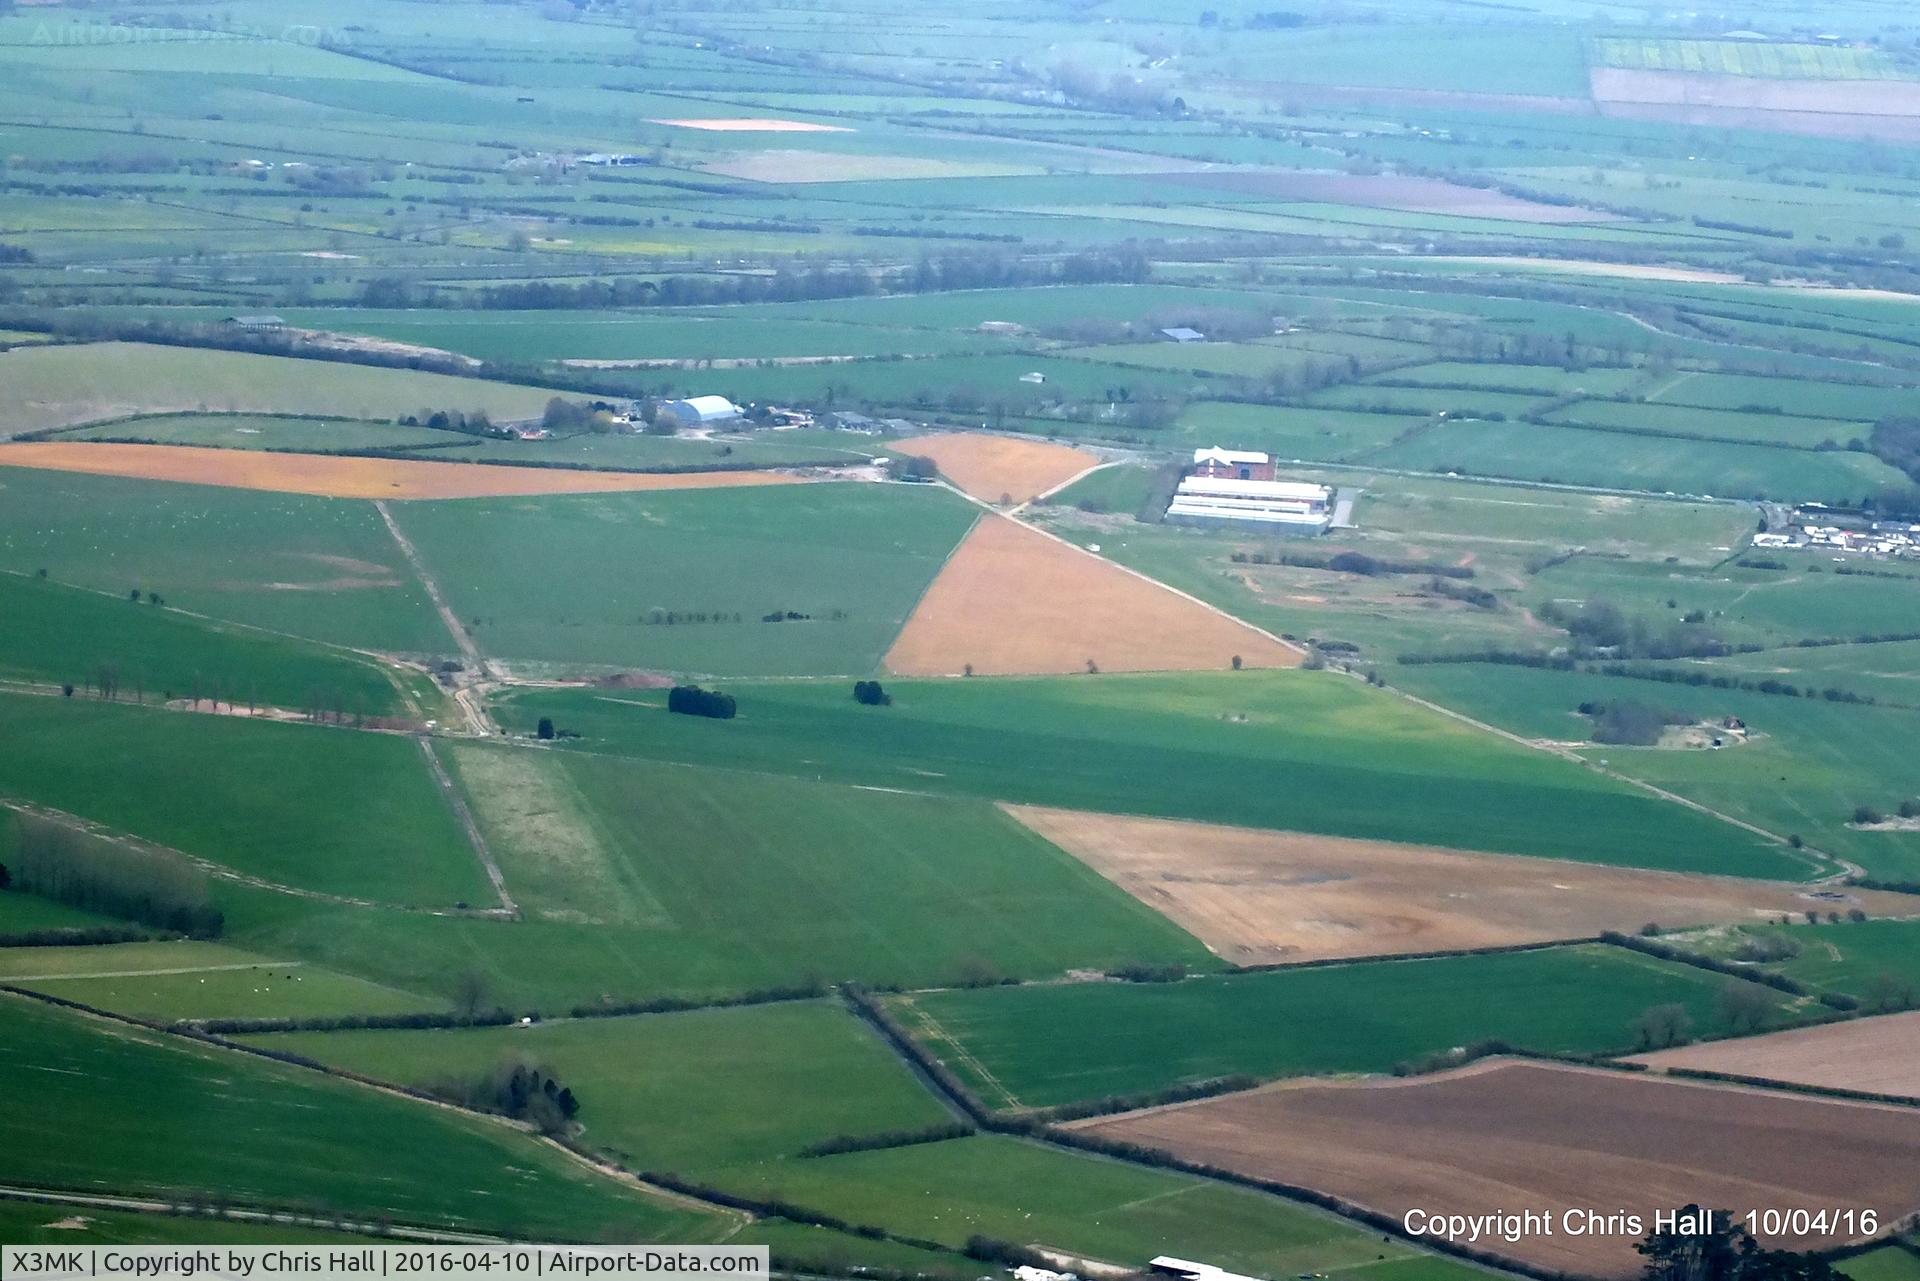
{"x": 97, "y": 874}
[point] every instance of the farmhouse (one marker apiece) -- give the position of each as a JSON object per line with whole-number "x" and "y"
{"x": 699, "y": 411}
{"x": 1236, "y": 464}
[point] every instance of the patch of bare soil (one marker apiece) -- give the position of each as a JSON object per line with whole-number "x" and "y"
{"x": 1014, "y": 601}
{"x": 1257, "y": 897}
{"x": 1562, "y": 1142}
{"x": 1879, "y": 1055}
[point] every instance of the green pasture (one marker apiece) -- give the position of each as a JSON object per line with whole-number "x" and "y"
{"x": 1134, "y": 1037}
{"x": 58, "y": 634}
{"x": 260, "y": 431}
{"x": 1808, "y": 599}
{"x": 92, "y": 1105}
{"x": 1807, "y": 765}
{"x": 715, "y": 879}
{"x": 681, "y": 581}
{"x": 322, "y": 809}
{"x": 1893, "y": 1262}
{"x": 1715, "y": 424}
{"x": 1354, "y": 761}
{"x": 1013, "y": 1190}
{"x": 56, "y": 1224}
{"x": 1546, "y": 380}
{"x": 684, "y": 1092}
{"x": 1572, "y": 456}
{"x": 61, "y": 386}
{"x": 1455, "y": 402}
{"x": 1850, "y": 957}
{"x": 194, "y": 980}
{"x": 322, "y": 568}
{"x": 1291, "y": 431}
{"x": 1119, "y": 489}
{"x": 1863, "y": 403}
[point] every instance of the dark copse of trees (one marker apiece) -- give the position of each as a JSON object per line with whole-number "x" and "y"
{"x": 691, "y": 700}
{"x": 914, "y": 467}
{"x": 1353, "y": 563}
{"x": 544, "y": 730}
{"x": 842, "y": 1143}
{"x": 870, "y": 694}
{"x": 1631, "y": 724}
{"x": 97, "y": 874}
{"x": 1723, "y": 1251}
{"x": 517, "y": 1089}
{"x": 1601, "y": 625}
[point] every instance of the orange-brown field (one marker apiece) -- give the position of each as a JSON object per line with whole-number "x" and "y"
{"x": 1879, "y": 1055}
{"x": 754, "y": 124}
{"x": 334, "y": 477}
{"x": 1257, "y": 897}
{"x": 1013, "y": 601}
{"x": 992, "y": 468}
{"x": 1506, "y": 1136}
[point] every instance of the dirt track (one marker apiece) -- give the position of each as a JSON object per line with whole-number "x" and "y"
{"x": 1879, "y": 1055}
{"x": 1257, "y": 897}
{"x": 1014, "y": 601}
{"x": 337, "y": 477}
{"x": 1512, "y": 1136}
{"x": 994, "y": 467}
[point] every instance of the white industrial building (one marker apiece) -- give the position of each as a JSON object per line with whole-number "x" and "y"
{"x": 1282, "y": 505}
{"x": 699, "y": 411}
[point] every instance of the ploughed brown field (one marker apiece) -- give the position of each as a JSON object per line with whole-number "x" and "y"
{"x": 1256, "y": 897}
{"x": 336, "y": 477}
{"x": 995, "y": 467}
{"x": 1013, "y": 601}
{"x": 1879, "y": 1055}
{"x": 1510, "y": 1136}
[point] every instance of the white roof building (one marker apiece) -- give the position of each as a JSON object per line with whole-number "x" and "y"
{"x": 1286, "y": 504}
{"x": 697, "y": 410}
{"x": 1187, "y": 1270}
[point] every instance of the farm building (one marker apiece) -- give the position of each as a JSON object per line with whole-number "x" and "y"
{"x": 1185, "y": 1270}
{"x": 1236, "y": 464}
{"x": 1238, "y": 486}
{"x": 256, "y": 322}
{"x": 1180, "y": 333}
{"x": 698, "y": 411}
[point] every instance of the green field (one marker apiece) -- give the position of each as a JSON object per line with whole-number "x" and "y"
{"x": 194, "y": 980}
{"x": 1807, "y": 766}
{"x": 1715, "y": 424}
{"x": 60, "y": 386}
{"x": 1852, "y": 957}
{"x": 1897, "y": 1262}
{"x": 322, "y": 568}
{"x": 1135, "y": 1037}
{"x": 722, "y": 879}
{"x": 1747, "y": 58}
{"x": 89, "y": 1104}
{"x": 1355, "y": 762}
{"x": 1572, "y": 456}
{"x": 259, "y": 431}
{"x": 268, "y": 800}
{"x": 686, "y": 1092}
{"x": 50, "y": 1223}
{"x": 680, "y": 581}
{"x": 61, "y": 634}
{"x": 1013, "y": 1190}
{"x": 1291, "y": 431}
